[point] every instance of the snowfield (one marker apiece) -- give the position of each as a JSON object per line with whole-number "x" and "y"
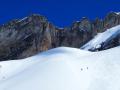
{"x": 63, "y": 69}
{"x": 106, "y": 36}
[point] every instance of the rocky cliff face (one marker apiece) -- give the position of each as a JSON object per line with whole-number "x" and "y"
{"x": 33, "y": 34}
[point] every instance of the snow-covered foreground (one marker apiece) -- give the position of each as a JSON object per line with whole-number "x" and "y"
{"x": 101, "y": 38}
{"x": 63, "y": 69}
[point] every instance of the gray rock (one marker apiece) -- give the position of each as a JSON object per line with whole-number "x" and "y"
{"x": 33, "y": 34}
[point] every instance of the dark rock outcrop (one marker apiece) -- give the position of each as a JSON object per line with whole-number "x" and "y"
{"x": 26, "y": 37}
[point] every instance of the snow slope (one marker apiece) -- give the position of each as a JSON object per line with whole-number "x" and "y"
{"x": 63, "y": 69}
{"x": 102, "y": 37}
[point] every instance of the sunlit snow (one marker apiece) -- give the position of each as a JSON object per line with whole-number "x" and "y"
{"x": 63, "y": 69}
{"x": 102, "y": 37}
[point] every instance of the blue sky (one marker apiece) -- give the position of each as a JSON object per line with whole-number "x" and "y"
{"x": 60, "y": 12}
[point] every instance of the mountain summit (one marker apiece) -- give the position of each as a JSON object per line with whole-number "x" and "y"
{"x": 33, "y": 34}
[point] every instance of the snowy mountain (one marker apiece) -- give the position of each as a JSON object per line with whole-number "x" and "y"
{"x": 33, "y": 64}
{"x": 109, "y": 38}
{"x": 22, "y": 38}
{"x": 63, "y": 69}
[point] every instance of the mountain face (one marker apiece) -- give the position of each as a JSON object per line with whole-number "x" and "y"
{"x": 26, "y": 37}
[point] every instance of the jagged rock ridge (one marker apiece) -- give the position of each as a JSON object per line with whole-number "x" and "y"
{"x": 33, "y": 34}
